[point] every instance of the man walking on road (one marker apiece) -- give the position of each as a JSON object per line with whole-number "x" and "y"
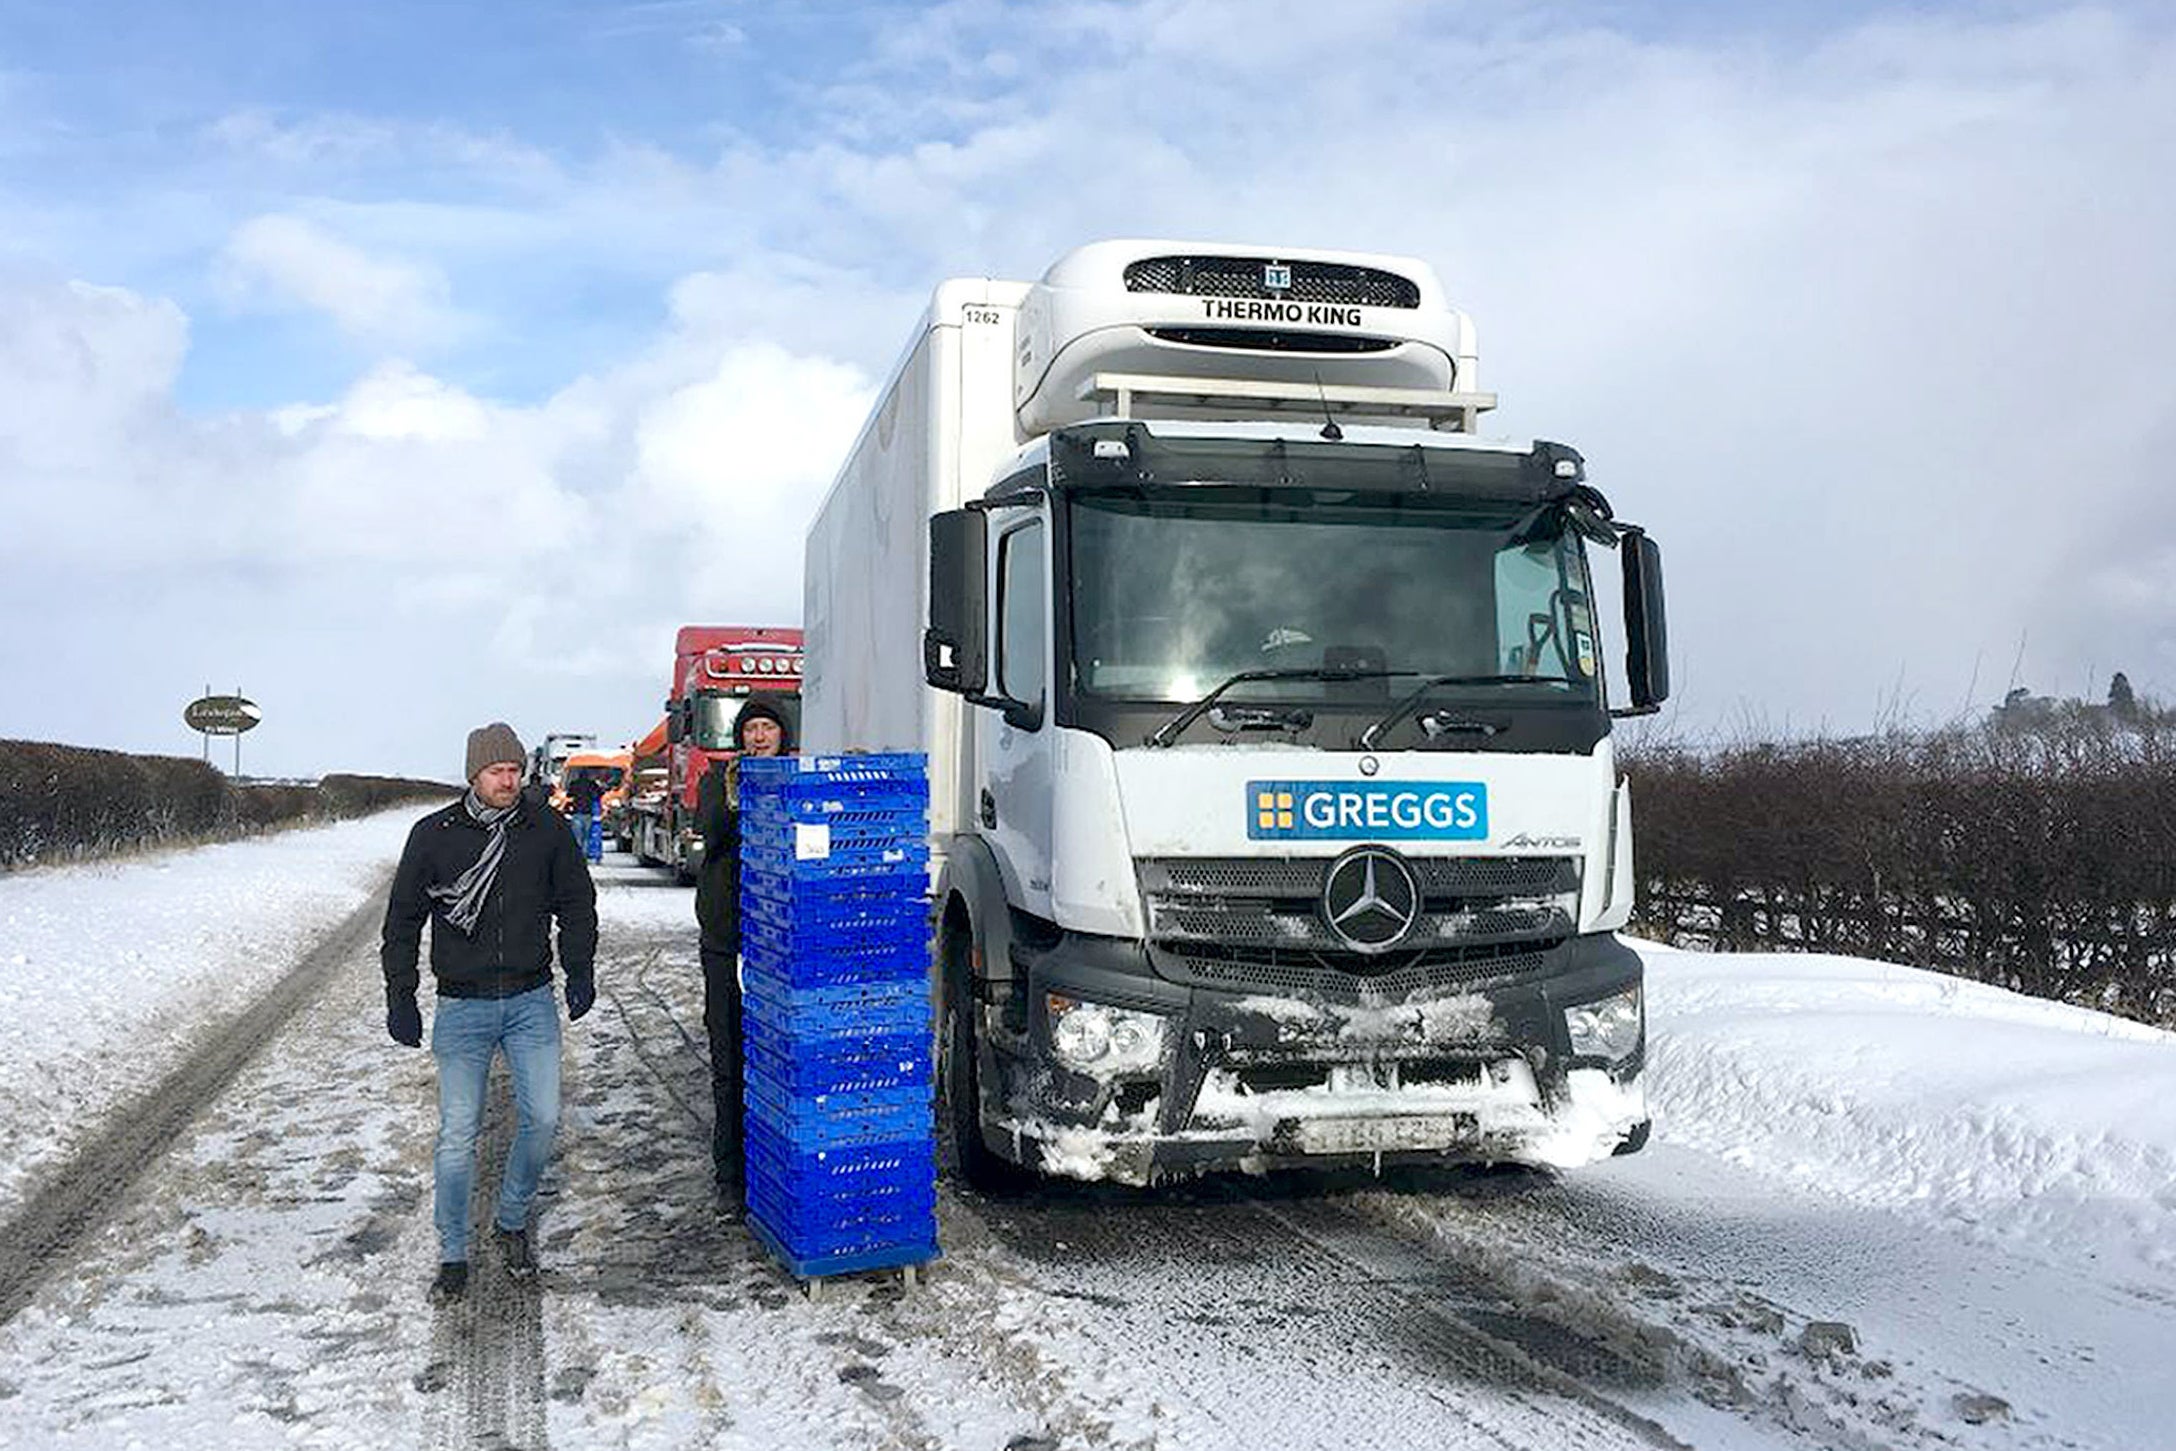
{"x": 490, "y": 873}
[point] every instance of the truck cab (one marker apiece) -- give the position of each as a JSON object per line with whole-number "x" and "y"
{"x": 1280, "y": 823}
{"x": 716, "y": 669}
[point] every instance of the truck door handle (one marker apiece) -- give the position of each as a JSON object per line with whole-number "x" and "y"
{"x": 989, "y": 810}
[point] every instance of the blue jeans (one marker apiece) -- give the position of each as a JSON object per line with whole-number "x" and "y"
{"x": 465, "y": 1033}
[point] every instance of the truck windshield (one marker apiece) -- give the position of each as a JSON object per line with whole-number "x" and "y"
{"x": 713, "y": 720}
{"x": 1176, "y": 592}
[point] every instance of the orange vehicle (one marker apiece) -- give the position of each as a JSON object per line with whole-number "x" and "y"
{"x": 613, "y": 770}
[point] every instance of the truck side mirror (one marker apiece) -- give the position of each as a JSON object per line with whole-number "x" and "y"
{"x": 1647, "y": 636}
{"x": 955, "y": 647}
{"x": 675, "y": 723}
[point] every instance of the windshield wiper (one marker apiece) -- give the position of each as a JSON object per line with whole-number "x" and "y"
{"x": 1419, "y": 693}
{"x": 1171, "y": 729}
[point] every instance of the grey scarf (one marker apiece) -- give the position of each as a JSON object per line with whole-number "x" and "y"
{"x": 464, "y": 899}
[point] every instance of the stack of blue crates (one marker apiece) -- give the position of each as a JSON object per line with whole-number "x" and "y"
{"x": 839, "y": 1140}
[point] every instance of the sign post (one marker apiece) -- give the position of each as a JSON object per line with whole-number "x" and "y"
{"x": 222, "y": 715}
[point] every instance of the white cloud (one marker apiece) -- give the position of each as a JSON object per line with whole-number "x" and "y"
{"x": 290, "y": 260}
{"x": 405, "y": 540}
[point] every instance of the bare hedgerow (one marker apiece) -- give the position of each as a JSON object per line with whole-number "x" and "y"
{"x": 2043, "y": 861}
{"x": 62, "y": 803}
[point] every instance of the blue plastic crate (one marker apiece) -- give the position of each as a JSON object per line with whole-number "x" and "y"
{"x": 872, "y": 911}
{"x": 873, "y": 1168}
{"x": 899, "y": 802}
{"x": 843, "y": 1002}
{"x": 906, "y": 1105}
{"x": 840, "y": 1128}
{"x": 827, "y": 1120}
{"x": 890, "y": 933}
{"x": 895, "y": 1196}
{"x": 847, "y": 1009}
{"x": 808, "y": 1264}
{"x": 871, "y": 1219}
{"x": 837, "y": 1065}
{"x": 836, "y": 965}
{"x": 785, "y": 844}
{"x": 777, "y": 836}
{"x": 832, "y": 964}
{"x": 802, "y": 956}
{"x": 902, "y": 811}
{"x": 778, "y": 882}
{"x": 807, "y": 775}
{"x": 841, "y": 859}
{"x": 890, "y": 917}
{"x": 827, "y": 1228}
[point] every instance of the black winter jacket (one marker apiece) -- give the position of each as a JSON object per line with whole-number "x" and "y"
{"x": 717, "y": 876}
{"x": 542, "y": 876}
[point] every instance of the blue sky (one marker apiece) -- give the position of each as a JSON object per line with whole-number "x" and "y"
{"x": 177, "y": 122}
{"x": 489, "y": 342}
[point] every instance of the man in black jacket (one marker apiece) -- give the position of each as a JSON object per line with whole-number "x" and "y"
{"x": 490, "y": 873}
{"x": 761, "y": 729}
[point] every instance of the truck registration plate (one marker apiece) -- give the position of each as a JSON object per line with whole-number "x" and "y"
{"x": 1384, "y": 1135}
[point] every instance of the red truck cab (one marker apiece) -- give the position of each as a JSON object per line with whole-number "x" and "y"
{"x": 715, "y": 669}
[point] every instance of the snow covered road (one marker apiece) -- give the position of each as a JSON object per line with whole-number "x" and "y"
{"x": 1851, "y": 1230}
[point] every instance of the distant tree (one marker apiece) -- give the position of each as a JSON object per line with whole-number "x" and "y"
{"x": 2021, "y": 710}
{"x": 2122, "y": 701}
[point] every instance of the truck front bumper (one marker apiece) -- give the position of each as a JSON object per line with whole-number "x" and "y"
{"x": 1255, "y": 1081}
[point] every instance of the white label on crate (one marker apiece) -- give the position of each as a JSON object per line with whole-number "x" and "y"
{"x": 811, "y": 841}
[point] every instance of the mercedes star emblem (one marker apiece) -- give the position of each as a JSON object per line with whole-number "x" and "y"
{"x": 1370, "y": 898}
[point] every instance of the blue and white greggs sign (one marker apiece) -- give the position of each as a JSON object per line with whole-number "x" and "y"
{"x": 1367, "y": 811}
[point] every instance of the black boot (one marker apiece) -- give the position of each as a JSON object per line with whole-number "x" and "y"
{"x": 451, "y": 1284}
{"x": 514, "y": 1250}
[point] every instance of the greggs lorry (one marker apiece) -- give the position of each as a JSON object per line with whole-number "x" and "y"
{"x": 1267, "y": 708}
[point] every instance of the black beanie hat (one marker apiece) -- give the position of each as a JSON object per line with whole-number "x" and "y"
{"x": 764, "y": 707}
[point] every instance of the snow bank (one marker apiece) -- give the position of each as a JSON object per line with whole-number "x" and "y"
{"x": 2044, "y": 1126}
{"x": 107, "y": 969}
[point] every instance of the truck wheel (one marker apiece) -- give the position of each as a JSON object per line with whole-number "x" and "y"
{"x": 960, "y": 1080}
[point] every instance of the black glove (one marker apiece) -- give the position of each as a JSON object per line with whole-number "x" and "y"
{"x": 581, "y": 996}
{"x": 403, "y": 1021}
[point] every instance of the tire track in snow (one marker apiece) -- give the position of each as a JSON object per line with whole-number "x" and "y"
{"x": 487, "y": 1349}
{"x": 1472, "y": 1319}
{"x": 1229, "y": 1296}
{"x": 84, "y": 1191}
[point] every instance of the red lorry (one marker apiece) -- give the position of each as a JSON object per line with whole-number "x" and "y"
{"x": 715, "y": 669}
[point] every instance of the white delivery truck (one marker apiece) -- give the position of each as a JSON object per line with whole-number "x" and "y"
{"x": 1275, "y": 813}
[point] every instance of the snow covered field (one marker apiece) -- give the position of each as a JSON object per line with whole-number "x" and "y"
{"x": 1881, "y": 1208}
{"x": 108, "y": 968}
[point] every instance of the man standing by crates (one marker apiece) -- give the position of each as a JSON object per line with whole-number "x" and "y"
{"x": 761, "y": 729}
{"x": 490, "y": 873}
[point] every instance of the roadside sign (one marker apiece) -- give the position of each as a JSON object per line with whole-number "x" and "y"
{"x": 221, "y": 715}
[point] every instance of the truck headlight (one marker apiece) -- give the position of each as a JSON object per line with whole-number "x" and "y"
{"x": 1103, "y": 1040}
{"x": 1605, "y": 1028}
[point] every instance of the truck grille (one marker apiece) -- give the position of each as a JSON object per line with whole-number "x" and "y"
{"x": 1243, "y": 277}
{"x": 1255, "y": 923}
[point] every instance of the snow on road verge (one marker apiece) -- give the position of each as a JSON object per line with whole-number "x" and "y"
{"x": 108, "y": 969}
{"x": 2044, "y": 1127}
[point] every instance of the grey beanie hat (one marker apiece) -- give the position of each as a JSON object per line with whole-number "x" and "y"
{"x": 491, "y": 744}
